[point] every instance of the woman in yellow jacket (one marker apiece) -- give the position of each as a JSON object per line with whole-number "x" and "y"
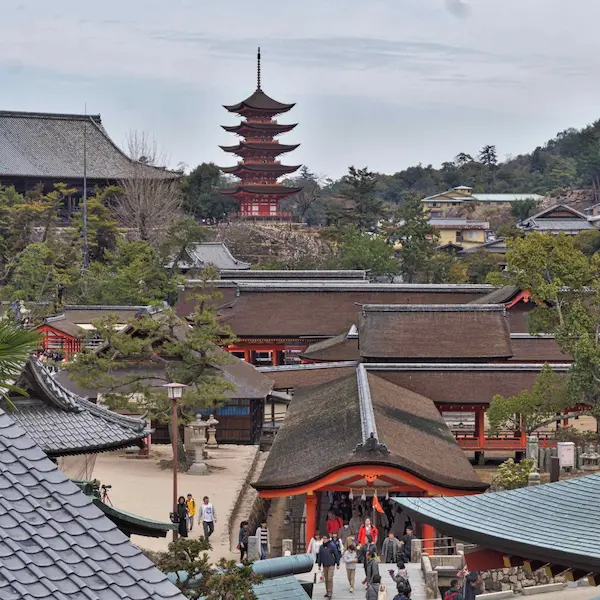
{"x": 191, "y": 504}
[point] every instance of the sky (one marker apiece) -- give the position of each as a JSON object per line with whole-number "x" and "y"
{"x": 378, "y": 83}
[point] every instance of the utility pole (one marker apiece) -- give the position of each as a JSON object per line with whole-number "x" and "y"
{"x": 85, "y": 216}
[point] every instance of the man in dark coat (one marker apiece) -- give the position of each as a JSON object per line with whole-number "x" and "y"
{"x": 328, "y": 559}
{"x": 407, "y": 538}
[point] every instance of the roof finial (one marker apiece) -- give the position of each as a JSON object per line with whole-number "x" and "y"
{"x": 258, "y": 69}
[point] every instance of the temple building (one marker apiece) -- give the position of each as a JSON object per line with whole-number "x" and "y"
{"x": 259, "y": 191}
{"x": 555, "y": 526}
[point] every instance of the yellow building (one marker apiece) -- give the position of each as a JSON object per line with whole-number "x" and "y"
{"x": 461, "y": 232}
{"x": 439, "y": 204}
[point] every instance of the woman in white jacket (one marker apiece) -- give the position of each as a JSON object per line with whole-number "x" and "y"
{"x": 314, "y": 545}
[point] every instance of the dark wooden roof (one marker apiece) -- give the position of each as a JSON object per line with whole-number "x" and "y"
{"x": 325, "y": 310}
{"x": 324, "y": 426}
{"x": 269, "y": 128}
{"x": 259, "y": 101}
{"x": 299, "y": 274}
{"x": 274, "y": 147}
{"x": 429, "y": 331}
{"x": 270, "y": 168}
{"x": 501, "y": 295}
{"x": 556, "y": 523}
{"x": 339, "y": 347}
{"x": 50, "y": 146}
{"x": 295, "y": 377}
{"x": 462, "y": 384}
{"x": 534, "y": 348}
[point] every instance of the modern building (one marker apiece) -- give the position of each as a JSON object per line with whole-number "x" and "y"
{"x": 259, "y": 191}
{"x": 559, "y": 218}
{"x": 439, "y": 204}
{"x": 466, "y": 233}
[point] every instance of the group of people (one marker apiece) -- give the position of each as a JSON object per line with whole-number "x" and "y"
{"x": 467, "y": 590}
{"x": 186, "y": 513}
{"x": 354, "y": 542}
{"x": 262, "y": 536}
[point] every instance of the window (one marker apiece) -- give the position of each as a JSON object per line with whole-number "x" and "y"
{"x": 459, "y": 236}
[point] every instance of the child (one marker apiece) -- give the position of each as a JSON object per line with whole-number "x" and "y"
{"x": 350, "y": 560}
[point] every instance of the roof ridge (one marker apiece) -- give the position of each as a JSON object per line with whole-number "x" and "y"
{"x": 44, "y": 115}
{"x": 373, "y": 308}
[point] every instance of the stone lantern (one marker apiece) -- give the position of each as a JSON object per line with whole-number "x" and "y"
{"x": 590, "y": 459}
{"x": 532, "y": 452}
{"x": 198, "y": 441}
{"x": 212, "y": 430}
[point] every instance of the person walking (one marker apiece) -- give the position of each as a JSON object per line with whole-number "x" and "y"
{"x": 262, "y": 537}
{"x": 208, "y": 516}
{"x": 376, "y": 590}
{"x": 328, "y": 560}
{"x": 335, "y": 538}
{"x": 350, "y": 559}
{"x": 243, "y": 536}
{"x": 407, "y": 538}
{"x": 345, "y": 532}
{"x": 371, "y": 568}
{"x": 454, "y": 592}
{"x": 472, "y": 585}
{"x": 355, "y": 523}
{"x": 367, "y": 529}
{"x": 333, "y": 523}
{"x": 182, "y": 517}
{"x": 400, "y": 578}
{"x": 191, "y": 504}
{"x": 391, "y": 550}
{"x": 314, "y": 544}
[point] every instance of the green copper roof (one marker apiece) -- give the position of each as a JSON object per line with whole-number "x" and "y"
{"x": 281, "y": 588}
{"x": 557, "y": 523}
{"x": 115, "y": 513}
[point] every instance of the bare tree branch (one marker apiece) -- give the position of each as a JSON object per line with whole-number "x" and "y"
{"x": 152, "y": 195}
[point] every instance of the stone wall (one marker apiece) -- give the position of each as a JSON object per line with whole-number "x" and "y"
{"x": 516, "y": 578}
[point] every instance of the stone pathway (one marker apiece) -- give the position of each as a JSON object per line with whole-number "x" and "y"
{"x": 341, "y": 591}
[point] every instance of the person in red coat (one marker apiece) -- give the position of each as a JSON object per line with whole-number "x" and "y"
{"x": 367, "y": 529}
{"x": 333, "y": 523}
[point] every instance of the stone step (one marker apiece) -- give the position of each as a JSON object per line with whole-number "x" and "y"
{"x": 496, "y": 595}
{"x": 542, "y": 589}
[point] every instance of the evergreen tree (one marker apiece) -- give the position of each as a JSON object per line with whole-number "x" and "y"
{"x": 417, "y": 237}
{"x": 363, "y": 207}
{"x": 488, "y": 156}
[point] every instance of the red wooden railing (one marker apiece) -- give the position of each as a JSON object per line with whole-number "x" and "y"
{"x": 504, "y": 440}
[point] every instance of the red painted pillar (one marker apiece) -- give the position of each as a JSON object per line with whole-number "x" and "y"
{"x": 247, "y": 356}
{"x": 428, "y": 533}
{"x": 275, "y": 356}
{"x": 480, "y": 427}
{"x": 310, "y": 506}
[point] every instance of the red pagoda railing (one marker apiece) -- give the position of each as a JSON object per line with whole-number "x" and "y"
{"x": 279, "y": 217}
{"x": 505, "y": 440}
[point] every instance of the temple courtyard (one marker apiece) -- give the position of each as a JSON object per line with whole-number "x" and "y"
{"x": 141, "y": 487}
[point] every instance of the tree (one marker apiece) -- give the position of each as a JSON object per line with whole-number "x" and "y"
{"x": 151, "y": 197}
{"x": 363, "y": 207}
{"x": 417, "y": 237}
{"x": 445, "y": 268}
{"x": 178, "y": 352}
{"x": 480, "y": 264}
{"x": 530, "y": 409}
{"x": 102, "y": 228}
{"x": 188, "y": 560}
{"x": 201, "y": 196}
{"x": 587, "y": 242}
{"x": 182, "y": 235}
{"x": 512, "y": 475}
{"x": 522, "y": 209}
{"x": 310, "y": 194}
{"x": 16, "y": 345}
{"x": 488, "y": 156}
{"x": 462, "y": 158}
{"x": 359, "y": 250}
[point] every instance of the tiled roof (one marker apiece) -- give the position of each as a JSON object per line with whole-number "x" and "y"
{"x": 434, "y": 331}
{"x": 557, "y": 224}
{"x": 498, "y": 296}
{"x": 259, "y": 100}
{"x": 54, "y": 543}
{"x": 294, "y": 275}
{"x": 281, "y": 588}
{"x": 458, "y": 223}
{"x": 505, "y": 197}
{"x": 63, "y": 423}
{"x": 326, "y": 424}
{"x": 46, "y": 145}
{"x": 339, "y": 347}
{"x": 216, "y": 254}
{"x": 556, "y": 523}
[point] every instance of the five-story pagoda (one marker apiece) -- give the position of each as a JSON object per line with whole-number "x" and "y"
{"x": 259, "y": 192}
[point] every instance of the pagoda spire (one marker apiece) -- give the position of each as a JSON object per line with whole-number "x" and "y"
{"x": 258, "y": 69}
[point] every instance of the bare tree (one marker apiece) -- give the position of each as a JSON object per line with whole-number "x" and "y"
{"x": 152, "y": 195}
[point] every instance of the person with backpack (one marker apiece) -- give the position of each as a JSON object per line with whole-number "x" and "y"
{"x": 376, "y": 590}
{"x": 454, "y": 592}
{"x": 401, "y": 579}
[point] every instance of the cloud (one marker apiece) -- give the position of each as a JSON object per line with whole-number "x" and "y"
{"x": 458, "y": 8}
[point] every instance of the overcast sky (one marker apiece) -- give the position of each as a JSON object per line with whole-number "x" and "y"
{"x": 382, "y": 83}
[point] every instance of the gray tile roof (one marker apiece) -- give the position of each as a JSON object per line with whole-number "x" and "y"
{"x": 46, "y": 145}
{"x": 216, "y": 254}
{"x": 557, "y": 224}
{"x": 557, "y": 523}
{"x": 62, "y": 423}
{"x": 282, "y": 588}
{"x": 54, "y": 543}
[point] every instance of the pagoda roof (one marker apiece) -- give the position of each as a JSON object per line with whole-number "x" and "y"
{"x": 259, "y": 101}
{"x": 264, "y": 146}
{"x": 556, "y": 523}
{"x": 50, "y": 146}
{"x": 281, "y": 190}
{"x": 273, "y": 128}
{"x": 54, "y": 543}
{"x": 63, "y": 423}
{"x": 261, "y": 168}
{"x": 329, "y": 426}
